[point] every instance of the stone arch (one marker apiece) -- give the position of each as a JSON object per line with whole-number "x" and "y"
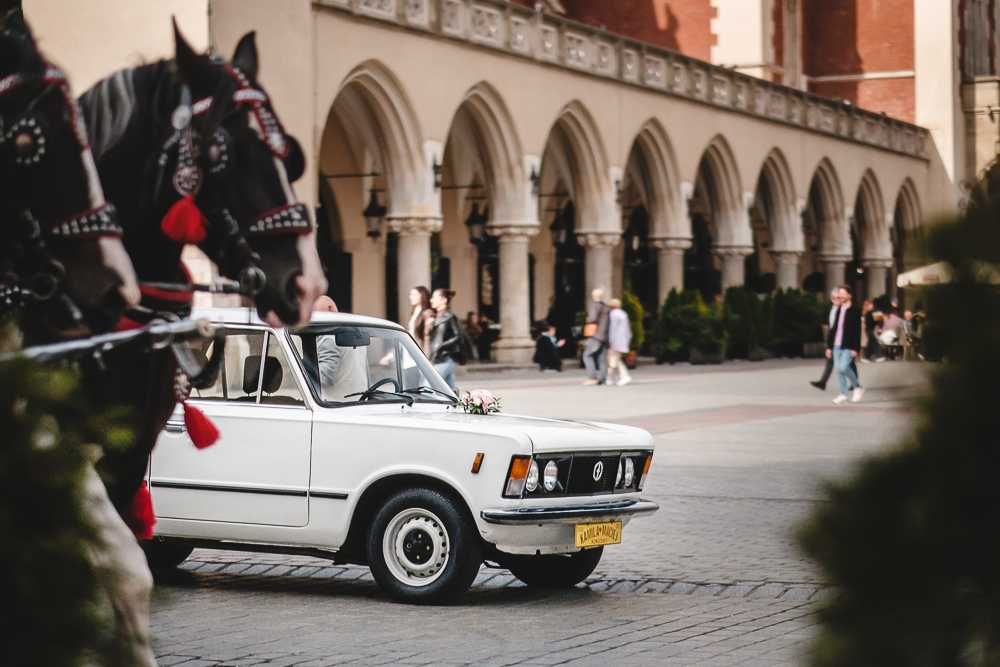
{"x": 502, "y": 156}
{"x": 785, "y": 228}
{"x": 376, "y": 113}
{"x": 826, "y": 200}
{"x": 576, "y": 147}
{"x": 653, "y": 168}
{"x": 720, "y": 188}
{"x": 906, "y": 219}
{"x": 870, "y": 219}
{"x": 908, "y": 205}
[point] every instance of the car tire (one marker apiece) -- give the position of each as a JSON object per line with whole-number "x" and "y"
{"x": 422, "y": 547}
{"x": 165, "y": 555}
{"x": 554, "y": 570}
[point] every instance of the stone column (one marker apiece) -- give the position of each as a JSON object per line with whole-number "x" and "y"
{"x": 669, "y": 264}
{"x": 834, "y": 267}
{"x": 733, "y": 264}
{"x": 787, "y": 264}
{"x": 598, "y": 259}
{"x": 413, "y": 256}
{"x": 515, "y": 344}
{"x": 876, "y": 271}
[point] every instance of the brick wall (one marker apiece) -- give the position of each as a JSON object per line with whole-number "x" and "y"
{"x": 679, "y": 25}
{"x": 895, "y": 97}
{"x": 852, "y": 37}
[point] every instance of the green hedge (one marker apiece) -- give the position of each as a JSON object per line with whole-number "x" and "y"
{"x": 687, "y": 322}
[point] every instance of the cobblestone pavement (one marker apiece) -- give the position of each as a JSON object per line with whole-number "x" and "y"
{"x": 712, "y": 578}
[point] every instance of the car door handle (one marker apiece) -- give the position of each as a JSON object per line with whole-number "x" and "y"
{"x": 174, "y": 426}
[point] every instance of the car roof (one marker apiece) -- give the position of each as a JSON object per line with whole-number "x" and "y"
{"x": 249, "y": 316}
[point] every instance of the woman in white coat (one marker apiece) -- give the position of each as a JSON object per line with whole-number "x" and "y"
{"x": 619, "y": 339}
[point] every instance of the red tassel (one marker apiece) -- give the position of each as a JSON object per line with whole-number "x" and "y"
{"x": 143, "y": 519}
{"x": 200, "y": 428}
{"x": 184, "y": 222}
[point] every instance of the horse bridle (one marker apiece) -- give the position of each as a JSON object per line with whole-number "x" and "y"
{"x": 229, "y": 241}
{"x": 26, "y": 236}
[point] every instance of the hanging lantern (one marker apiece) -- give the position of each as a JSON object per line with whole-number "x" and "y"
{"x": 476, "y": 224}
{"x": 374, "y": 214}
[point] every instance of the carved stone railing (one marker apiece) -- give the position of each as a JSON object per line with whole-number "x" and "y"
{"x": 553, "y": 40}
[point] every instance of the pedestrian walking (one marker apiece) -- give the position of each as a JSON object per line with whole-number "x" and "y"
{"x": 832, "y": 322}
{"x": 595, "y": 330}
{"x": 843, "y": 346}
{"x": 619, "y": 341}
{"x": 445, "y": 337}
{"x": 421, "y": 316}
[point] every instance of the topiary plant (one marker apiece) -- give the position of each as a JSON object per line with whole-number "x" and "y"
{"x": 911, "y": 540}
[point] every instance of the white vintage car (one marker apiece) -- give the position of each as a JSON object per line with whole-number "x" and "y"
{"x": 340, "y": 440}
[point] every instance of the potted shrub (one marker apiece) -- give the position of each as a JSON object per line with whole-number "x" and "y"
{"x": 636, "y": 317}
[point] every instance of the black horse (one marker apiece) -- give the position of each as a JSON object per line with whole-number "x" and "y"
{"x": 191, "y": 151}
{"x": 61, "y": 250}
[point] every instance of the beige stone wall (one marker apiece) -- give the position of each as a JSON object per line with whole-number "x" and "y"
{"x": 90, "y": 39}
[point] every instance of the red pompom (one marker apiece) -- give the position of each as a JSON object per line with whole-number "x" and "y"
{"x": 184, "y": 222}
{"x": 142, "y": 518}
{"x": 200, "y": 428}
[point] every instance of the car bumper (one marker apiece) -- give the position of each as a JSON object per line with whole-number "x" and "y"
{"x": 616, "y": 509}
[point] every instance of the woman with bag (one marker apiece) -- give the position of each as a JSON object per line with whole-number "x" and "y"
{"x": 619, "y": 341}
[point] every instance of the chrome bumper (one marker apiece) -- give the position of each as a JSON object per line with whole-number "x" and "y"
{"x": 594, "y": 512}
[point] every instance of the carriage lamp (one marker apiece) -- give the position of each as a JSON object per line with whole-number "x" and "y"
{"x": 531, "y": 483}
{"x": 374, "y": 214}
{"x": 550, "y": 476}
{"x": 476, "y": 224}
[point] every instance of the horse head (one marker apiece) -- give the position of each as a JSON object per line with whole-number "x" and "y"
{"x": 258, "y": 232}
{"x": 61, "y": 239}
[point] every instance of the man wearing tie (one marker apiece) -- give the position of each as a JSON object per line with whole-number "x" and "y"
{"x": 843, "y": 344}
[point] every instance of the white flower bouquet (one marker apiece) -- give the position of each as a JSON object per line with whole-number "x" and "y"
{"x": 480, "y": 402}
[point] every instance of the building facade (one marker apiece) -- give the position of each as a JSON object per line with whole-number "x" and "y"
{"x": 523, "y": 155}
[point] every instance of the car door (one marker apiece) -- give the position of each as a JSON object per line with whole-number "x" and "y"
{"x": 258, "y": 471}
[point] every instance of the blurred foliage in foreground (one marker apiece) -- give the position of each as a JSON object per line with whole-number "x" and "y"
{"x": 911, "y": 541}
{"x": 52, "y": 611}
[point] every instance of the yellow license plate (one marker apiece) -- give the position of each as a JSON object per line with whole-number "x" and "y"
{"x": 598, "y": 534}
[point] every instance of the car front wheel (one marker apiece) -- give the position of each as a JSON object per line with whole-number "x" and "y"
{"x": 422, "y": 548}
{"x": 554, "y": 570}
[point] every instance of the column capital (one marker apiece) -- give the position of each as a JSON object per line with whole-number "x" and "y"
{"x": 512, "y": 231}
{"x": 599, "y": 239}
{"x": 877, "y": 262}
{"x": 414, "y": 226}
{"x": 786, "y": 256}
{"x": 675, "y": 243}
{"x": 732, "y": 250}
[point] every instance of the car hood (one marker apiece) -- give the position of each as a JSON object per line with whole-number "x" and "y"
{"x": 544, "y": 435}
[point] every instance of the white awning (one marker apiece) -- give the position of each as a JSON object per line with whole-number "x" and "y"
{"x": 932, "y": 274}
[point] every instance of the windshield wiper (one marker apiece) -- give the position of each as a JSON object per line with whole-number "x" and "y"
{"x": 431, "y": 390}
{"x": 374, "y": 391}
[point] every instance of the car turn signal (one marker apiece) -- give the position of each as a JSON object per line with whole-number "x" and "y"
{"x": 516, "y": 475}
{"x": 477, "y": 462}
{"x": 645, "y": 471}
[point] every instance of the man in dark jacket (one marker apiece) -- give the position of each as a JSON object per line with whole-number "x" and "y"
{"x": 832, "y": 322}
{"x": 843, "y": 343}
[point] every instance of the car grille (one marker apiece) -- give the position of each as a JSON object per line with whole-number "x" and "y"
{"x": 577, "y": 472}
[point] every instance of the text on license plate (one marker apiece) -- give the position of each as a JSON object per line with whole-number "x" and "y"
{"x": 598, "y": 534}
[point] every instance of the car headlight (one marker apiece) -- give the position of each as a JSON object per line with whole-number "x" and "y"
{"x": 531, "y": 482}
{"x": 618, "y": 476}
{"x": 629, "y": 472}
{"x": 551, "y": 476}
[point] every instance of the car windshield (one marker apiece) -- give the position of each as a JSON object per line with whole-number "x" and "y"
{"x": 350, "y": 364}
